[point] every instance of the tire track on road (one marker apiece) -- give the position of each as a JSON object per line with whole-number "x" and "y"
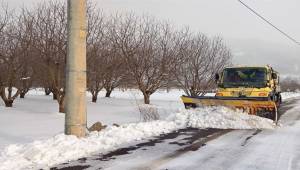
{"x": 193, "y": 147}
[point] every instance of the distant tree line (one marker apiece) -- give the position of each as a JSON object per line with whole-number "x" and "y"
{"x": 290, "y": 84}
{"x": 123, "y": 51}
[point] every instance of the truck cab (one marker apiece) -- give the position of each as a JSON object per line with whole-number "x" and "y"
{"x": 249, "y": 82}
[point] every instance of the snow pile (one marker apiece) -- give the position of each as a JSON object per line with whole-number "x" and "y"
{"x": 288, "y": 95}
{"x": 221, "y": 118}
{"x": 61, "y": 148}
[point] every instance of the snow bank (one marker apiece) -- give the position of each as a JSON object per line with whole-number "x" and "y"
{"x": 61, "y": 148}
{"x": 221, "y": 118}
{"x": 288, "y": 95}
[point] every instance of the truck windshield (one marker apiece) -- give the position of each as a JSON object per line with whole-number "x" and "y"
{"x": 245, "y": 77}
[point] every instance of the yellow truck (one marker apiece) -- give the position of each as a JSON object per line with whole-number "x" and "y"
{"x": 255, "y": 90}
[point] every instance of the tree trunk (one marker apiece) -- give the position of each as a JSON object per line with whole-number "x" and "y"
{"x": 94, "y": 98}
{"x": 146, "y": 98}
{"x": 108, "y": 93}
{"x": 54, "y": 96}
{"x": 61, "y": 108}
{"x": 47, "y": 91}
{"x": 8, "y": 103}
{"x": 62, "y": 105}
{"x": 22, "y": 95}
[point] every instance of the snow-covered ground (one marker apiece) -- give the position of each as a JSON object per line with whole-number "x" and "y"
{"x": 290, "y": 95}
{"x": 36, "y": 118}
{"x": 277, "y": 149}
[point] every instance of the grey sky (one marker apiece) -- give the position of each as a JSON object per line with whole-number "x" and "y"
{"x": 221, "y": 17}
{"x": 247, "y": 35}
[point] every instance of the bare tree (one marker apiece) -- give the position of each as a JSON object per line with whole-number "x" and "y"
{"x": 4, "y": 16}
{"x": 200, "y": 59}
{"x": 124, "y": 50}
{"x": 9, "y": 62}
{"x": 97, "y": 50}
{"x": 114, "y": 71}
{"x": 290, "y": 84}
{"x": 105, "y": 66}
{"x": 146, "y": 47}
{"x": 50, "y": 39}
{"x": 25, "y": 35}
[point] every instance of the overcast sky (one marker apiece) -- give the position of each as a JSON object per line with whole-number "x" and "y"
{"x": 224, "y": 17}
{"x": 244, "y": 32}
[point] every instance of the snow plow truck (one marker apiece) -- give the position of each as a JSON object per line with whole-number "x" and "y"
{"x": 255, "y": 90}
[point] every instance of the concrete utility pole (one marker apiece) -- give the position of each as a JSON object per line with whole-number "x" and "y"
{"x": 75, "y": 121}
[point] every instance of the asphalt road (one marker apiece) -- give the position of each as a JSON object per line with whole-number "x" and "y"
{"x": 208, "y": 149}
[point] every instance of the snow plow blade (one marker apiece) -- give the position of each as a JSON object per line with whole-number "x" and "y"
{"x": 260, "y": 106}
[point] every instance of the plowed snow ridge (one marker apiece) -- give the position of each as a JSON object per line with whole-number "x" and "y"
{"x": 62, "y": 148}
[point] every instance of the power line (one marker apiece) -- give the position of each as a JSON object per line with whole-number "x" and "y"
{"x": 263, "y": 18}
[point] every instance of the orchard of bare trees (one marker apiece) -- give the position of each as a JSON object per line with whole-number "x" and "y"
{"x": 123, "y": 50}
{"x": 290, "y": 84}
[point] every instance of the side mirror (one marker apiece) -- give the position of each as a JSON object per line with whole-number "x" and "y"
{"x": 274, "y": 76}
{"x": 217, "y": 77}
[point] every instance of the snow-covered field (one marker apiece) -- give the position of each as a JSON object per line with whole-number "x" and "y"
{"x": 289, "y": 95}
{"x": 35, "y": 118}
